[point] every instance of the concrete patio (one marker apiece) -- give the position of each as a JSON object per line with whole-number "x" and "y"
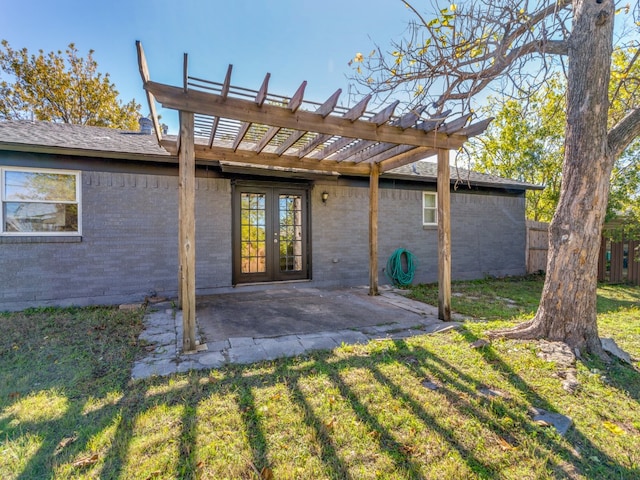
{"x": 252, "y": 326}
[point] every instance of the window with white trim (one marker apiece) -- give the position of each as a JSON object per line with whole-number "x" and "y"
{"x": 429, "y": 209}
{"x": 39, "y": 201}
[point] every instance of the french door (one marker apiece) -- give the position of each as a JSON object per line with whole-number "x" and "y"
{"x": 270, "y": 237}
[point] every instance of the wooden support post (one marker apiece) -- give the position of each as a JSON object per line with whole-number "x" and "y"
{"x": 187, "y": 230}
{"x": 373, "y": 228}
{"x": 444, "y": 236}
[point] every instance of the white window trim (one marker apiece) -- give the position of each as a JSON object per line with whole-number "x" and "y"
{"x": 434, "y": 208}
{"x": 78, "y": 201}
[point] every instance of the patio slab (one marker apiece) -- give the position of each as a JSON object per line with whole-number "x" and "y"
{"x": 250, "y": 327}
{"x": 298, "y": 311}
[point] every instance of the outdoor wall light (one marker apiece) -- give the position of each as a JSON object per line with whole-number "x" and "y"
{"x": 325, "y": 196}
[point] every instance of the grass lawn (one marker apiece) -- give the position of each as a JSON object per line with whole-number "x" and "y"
{"x": 398, "y": 409}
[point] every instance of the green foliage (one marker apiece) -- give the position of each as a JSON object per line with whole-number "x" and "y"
{"x": 59, "y": 87}
{"x": 624, "y": 91}
{"x": 526, "y": 142}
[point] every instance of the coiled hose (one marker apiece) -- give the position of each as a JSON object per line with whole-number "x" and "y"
{"x": 394, "y": 271}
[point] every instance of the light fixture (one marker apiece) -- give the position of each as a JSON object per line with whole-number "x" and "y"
{"x": 325, "y": 196}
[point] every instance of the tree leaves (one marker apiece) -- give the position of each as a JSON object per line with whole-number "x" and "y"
{"x": 525, "y": 142}
{"x": 61, "y": 87}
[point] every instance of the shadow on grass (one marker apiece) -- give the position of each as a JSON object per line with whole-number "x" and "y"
{"x": 574, "y": 436}
{"x": 459, "y": 390}
{"x": 328, "y": 448}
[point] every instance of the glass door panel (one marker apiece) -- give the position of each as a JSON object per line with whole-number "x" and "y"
{"x": 253, "y": 236}
{"x": 290, "y": 223}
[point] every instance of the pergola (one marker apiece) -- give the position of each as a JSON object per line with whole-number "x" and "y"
{"x": 257, "y": 128}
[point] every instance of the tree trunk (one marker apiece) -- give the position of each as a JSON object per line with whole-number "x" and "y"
{"x": 567, "y": 310}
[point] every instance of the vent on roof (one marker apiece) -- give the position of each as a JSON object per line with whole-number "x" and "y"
{"x": 146, "y": 125}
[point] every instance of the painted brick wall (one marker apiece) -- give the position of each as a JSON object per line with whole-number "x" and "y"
{"x": 129, "y": 245}
{"x": 129, "y": 242}
{"x": 487, "y": 232}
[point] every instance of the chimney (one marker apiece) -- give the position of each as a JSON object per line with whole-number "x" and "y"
{"x": 146, "y": 125}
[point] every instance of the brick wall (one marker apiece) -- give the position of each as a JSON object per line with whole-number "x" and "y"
{"x": 487, "y": 234}
{"x": 128, "y": 248}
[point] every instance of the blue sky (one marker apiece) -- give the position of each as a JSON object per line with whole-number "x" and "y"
{"x": 294, "y": 40}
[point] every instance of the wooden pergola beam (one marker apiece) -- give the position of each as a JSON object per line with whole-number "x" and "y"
{"x": 379, "y": 118}
{"x": 273, "y": 160}
{"x": 475, "y": 128}
{"x": 223, "y": 94}
{"x": 433, "y": 122}
{"x": 410, "y": 118}
{"x": 144, "y": 73}
{"x": 455, "y": 125}
{"x": 297, "y": 98}
{"x": 273, "y": 115}
{"x": 406, "y": 158}
{"x": 352, "y": 114}
{"x": 325, "y": 109}
{"x": 261, "y": 96}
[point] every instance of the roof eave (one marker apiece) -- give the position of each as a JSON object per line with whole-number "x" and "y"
{"x": 476, "y": 183}
{"x": 83, "y": 152}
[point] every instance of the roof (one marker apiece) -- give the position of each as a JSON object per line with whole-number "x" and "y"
{"x": 429, "y": 171}
{"x": 64, "y": 138}
{"x": 82, "y": 140}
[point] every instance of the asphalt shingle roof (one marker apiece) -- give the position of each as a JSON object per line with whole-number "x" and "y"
{"x": 110, "y": 143}
{"x": 429, "y": 170}
{"x": 78, "y": 138}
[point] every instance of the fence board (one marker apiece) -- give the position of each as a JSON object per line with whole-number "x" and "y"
{"x": 537, "y": 246}
{"x": 602, "y": 260}
{"x": 633, "y": 266}
{"x": 616, "y": 273}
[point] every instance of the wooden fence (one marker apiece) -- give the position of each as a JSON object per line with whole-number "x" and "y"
{"x": 537, "y": 246}
{"x": 619, "y": 261}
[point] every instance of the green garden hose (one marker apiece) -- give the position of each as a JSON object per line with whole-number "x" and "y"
{"x": 394, "y": 271}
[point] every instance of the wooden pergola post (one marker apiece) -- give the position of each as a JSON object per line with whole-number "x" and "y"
{"x": 187, "y": 230}
{"x": 444, "y": 236}
{"x": 374, "y": 178}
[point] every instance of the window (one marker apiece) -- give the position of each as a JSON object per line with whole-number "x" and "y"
{"x": 429, "y": 209}
{"x": 39, "y": 202}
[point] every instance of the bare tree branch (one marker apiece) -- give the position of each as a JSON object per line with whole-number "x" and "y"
{"x": 625, "y": 132}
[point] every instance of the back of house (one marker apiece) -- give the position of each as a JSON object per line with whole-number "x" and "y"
{"x": 89, "y": 215}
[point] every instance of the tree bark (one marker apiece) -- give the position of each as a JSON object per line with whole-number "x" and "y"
{"x": 567, "y": 310}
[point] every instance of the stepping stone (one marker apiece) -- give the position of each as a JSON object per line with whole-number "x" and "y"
{"x": 558, "y": 421}
{"x": 241, "y": 342}
{"x": 210, "y": 359}
{"x": 480, "y": 343}
{"x": 430, "y": 385}
{"x": 320, "y": 341}
{"x": 610, "y": 346}
{"x": 491, "y": 393}
{"x": 247, "y": 354}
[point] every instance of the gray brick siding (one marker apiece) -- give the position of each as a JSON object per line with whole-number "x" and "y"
{"x": 128, "y": 248}
{"x": 487, "y": 234}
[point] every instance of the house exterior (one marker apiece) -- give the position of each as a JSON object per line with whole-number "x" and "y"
{"x": 90, "y": 216}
